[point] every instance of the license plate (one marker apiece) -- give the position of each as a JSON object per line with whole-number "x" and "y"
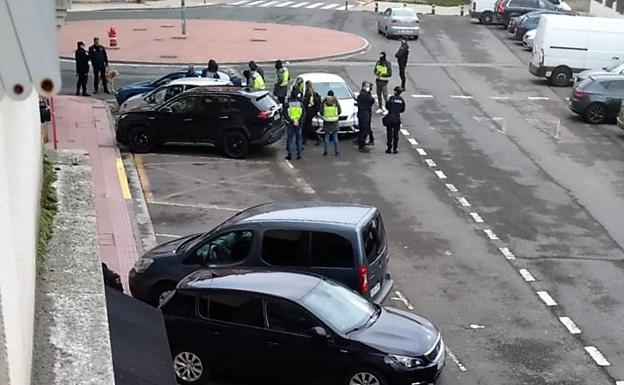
{"x": 375, "y": 289}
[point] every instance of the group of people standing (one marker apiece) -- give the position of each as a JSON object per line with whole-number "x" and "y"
{"x": 99, "y": 61}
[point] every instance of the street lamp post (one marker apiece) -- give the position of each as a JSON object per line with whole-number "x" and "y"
{"x": 183, "y": 10}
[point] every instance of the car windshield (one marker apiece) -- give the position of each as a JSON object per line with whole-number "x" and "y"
{"x": 341, "y": 91}
{"x": 615, "y": 67}
{"x": 341, "y": 308}
{"x": 403, "y": 12}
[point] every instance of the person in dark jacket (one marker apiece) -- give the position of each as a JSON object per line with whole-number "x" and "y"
{"x": 82, "y": 68}
{"x": 311, "y": 106}
{"x": 365, "y": 102}
{"x": 111, "y": 279}
{"x": 211, "y": 71}
{"x": 402, "y": 55}
{"x": 395, "y": 107}
{"x": 99, "y": 61}
{"x": 190, "y": 72}
{"x": 254, "y": 67}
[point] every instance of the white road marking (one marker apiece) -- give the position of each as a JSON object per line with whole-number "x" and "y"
{"x": 619, "y": 382}
{"x": 440, "y": 174}
{"x": 548, "y": 300}
{"x": 289, "y": 164}
{"x": 475, "y": 326}
{"x": 461, "y": 97}
{"x": 195, "y": 206}
{"x": 500, "y": 97}
{"x": 164, "y": 235}
{"x": 422, "y": 96}
{"x": 299, "y": 5}
{"x": 280, "y": 5}
{"x": 315, "y": 5}
{"x": 597, "y": 356}
{"x": 403, "y": 299}
{"x": 270, "y": 3}
{"x": 305, "y": 186}
{"x": 570, "y": 325}
{"x": 507, "y": 253}
{"x": 453, "y": 358}
{"x": 526, "y": 275}
{"x": 421, "y": 151}
{"x": 491, "y": 234}
{"x": 451, "y": 187}
{"x": 405, "y": 132}
{"x": 463, "y": 201}
{"x": 476, "y": 217}
{"x": 330, "y": 6}
{"x": 412, "y": 141}
{"x": 538, "y": 98}
{"x": 430, "y": 162}
{"x": 239, "y": 2}
{"x": 254, "y": 3}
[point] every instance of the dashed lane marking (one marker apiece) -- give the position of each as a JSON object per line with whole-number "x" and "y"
{"x": 238, "y": 2}
{"x": 289, "y": 164}
{"x": 195, "y": 206}
{"x": 453, "y": 358}
{"x": 461, "y": 97}
{"x": 476, "y": 217}
{"x": 526, "y": 275}
{"x": 314, "y": 5}
{"x": 405, "y": 132}
{"x": 165, "y": 235}
{"x": 538, "y": 98}
{"x": 597, "y": 356}
{"x": 330, "y": 6}
{"x": 422, "y": 96}
{"x": 402, "y": 298}
{"x": 491, "y": 234}
{"x": 440, "y": 174}
{"x": 570, "y": 325}
{"x": 421, "y": 151}
{"x": 412, "y": 141}
{"x": 548, "y": 300}
{"x": 299, "y": 5}
{"x": 619, "y": 382}
{"x": 463, "y": 201}
{"x": 281, "y": 5}
{"x": 507, "y": 253}
{"x": 270, "y": 3}
{"x": 254, "y": 3}
{"x": 500, "y": 97}
{"x": 451, "y": 187}
{"x": 430, "y": 162}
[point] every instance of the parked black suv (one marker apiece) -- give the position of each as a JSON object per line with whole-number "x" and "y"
{"x": 288, "y": 328}
{"x": 231, "y": 118}
{"x": 346, "y": 243}
{"x": 506, "y": 9}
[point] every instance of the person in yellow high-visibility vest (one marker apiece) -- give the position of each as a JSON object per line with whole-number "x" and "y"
{"x": 257, "y": 82}
{"x": 383, "y": 73}
{"x": 281, "y": 82}
{"x": 330, "y": 112}
{"x": 294, "y": 114}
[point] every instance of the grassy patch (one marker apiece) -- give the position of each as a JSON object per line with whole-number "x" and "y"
{"x": 48, "y": 207}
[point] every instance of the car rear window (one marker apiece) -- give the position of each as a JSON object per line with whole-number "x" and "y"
{"x": 374, "y": 237}
{"x": 403, "y": 12}
{"x": 330, "y": 250}
{"x": 265, "y": 102}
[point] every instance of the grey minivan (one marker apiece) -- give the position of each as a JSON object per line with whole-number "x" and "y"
{"x": 343, "y": 242}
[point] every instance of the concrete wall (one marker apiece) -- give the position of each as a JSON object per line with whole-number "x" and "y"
{"x": 20, "y": 186}
{"x": 607, "y": 8}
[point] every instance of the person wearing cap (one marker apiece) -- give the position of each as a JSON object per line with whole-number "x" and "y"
{"x": 311, "y": 106}
{"x": 395, "y": 107}
{"x": 402, "y": 55}
{"x": 281, "y": 82}
{"x": 294, "y": 117}
{"x": 365, "y": 102}
{"x": 253, "y": 67}
{"x": 82, "y": 68}
{"x": 383, "y": 73}
{"x": 330, "y": 112}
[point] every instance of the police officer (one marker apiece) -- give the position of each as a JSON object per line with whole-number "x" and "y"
{"x": 330, "y": 112}
{"x": 254, "y": 67}
{"x": 257, "y": 81}
{"x": 99, "y": 61}
{"x": 82, "y": 69}
{"x": 383, "y": 72}
{"x": 311, "y": 106}
{"x": 365, "y": 102}
{"x": 392, "y": 121}
{"x": 294, "y": 119}
{"x": 281, "y": 83}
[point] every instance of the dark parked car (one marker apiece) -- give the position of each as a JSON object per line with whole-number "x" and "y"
{"x": 597, "y": 99}
{"x": 529, "y": 21}
{"x": 507, "y": 9}
{"x": 233, "y": 119}
{"x": 123, "y": 93}
{"x": 290, "y": 328}
{"x": 346, "y": 243}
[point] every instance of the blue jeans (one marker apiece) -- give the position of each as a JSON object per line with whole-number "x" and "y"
{"x": 293, "y": 132}
{"x": 334, "y": 138}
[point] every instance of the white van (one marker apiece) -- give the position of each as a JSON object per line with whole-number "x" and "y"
{"x": 565, "y": 45}
{"x": 483, "y": 10}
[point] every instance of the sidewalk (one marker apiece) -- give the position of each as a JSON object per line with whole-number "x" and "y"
{"x": 84, "y": 123}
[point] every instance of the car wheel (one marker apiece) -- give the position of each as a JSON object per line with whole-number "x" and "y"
{"x": 140, "y": 140}
{"x": 486, "y": 18}
{"x": 189, "y": 368}
{"x": 161, "y": 292}
{"x": 416, "y": 37}
{"x": 365, "y": 377}
{"x": 596, "y": 113}
{"x": 235, "y": 144}
{"x": 561, "y": 77}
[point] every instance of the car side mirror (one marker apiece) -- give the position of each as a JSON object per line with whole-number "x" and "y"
{"x": 167, "y": 110}
{"x": 604, "y": 68}
{"x": 319, "y": 333}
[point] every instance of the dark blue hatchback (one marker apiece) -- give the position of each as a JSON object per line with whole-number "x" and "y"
{"x": 346, "y": 243}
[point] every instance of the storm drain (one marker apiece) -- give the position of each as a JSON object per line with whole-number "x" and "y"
{"x": 139, "y": 29}
{"x": 168, "y": 56}
{"x": 259, "y": 29}
{"x": 167, "y": 26}
{"x": 258, "y": 40}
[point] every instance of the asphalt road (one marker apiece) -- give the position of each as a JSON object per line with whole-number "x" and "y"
{"x": 503, "y": 210}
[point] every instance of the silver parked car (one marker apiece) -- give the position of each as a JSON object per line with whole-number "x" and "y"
{"x": 400, "y": 22}
{"x": 617, "y": 68}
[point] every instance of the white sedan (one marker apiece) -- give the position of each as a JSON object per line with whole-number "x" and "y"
{"x": 528, "y": 39}
{"x": 323, "y": 82}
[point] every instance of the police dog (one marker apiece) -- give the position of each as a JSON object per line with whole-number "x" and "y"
{"x": 110, "y": 79}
